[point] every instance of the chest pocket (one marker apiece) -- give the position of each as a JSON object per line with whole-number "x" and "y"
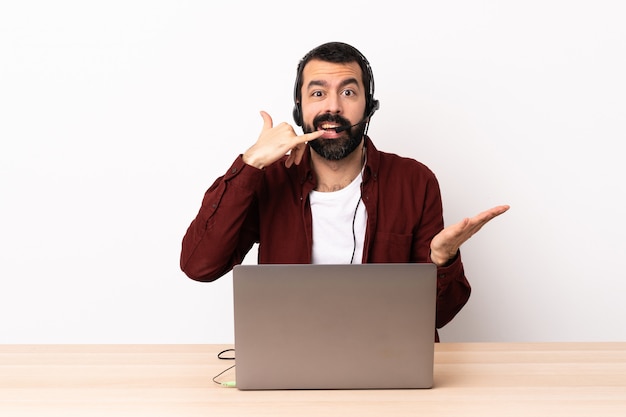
{"x": 391, "y": 247}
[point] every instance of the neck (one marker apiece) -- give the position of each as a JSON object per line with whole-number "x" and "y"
{"x": 335, "y": 175}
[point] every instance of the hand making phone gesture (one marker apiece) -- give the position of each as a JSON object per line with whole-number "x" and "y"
{"x": 276, "y": 141}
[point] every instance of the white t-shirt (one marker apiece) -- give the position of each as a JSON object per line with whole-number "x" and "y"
{"x": 339, "y": 220}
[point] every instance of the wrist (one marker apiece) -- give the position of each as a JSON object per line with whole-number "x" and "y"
{"x": 443, "y": 260}
{"x": 248, "y": 160}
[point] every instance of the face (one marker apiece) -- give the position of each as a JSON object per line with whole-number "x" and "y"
{"x": 333, "y": 95}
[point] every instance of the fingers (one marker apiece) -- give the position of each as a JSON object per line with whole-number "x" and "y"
{"x": 473, "y": 225}
{"x": 302, "y": 139}
{"x": 487, "y": 215}
{"x": 297, "y": 152}
{"x": 498, "y": 210}
{"x": 452, "y": 237}
{"x": 295, "y": 156}
{"x": 313, "y": 135}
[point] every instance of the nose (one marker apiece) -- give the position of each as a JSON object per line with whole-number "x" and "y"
{"x": 333, "y": 104}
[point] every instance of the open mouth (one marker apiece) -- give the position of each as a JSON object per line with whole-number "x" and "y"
{"x": 329, "y": 126}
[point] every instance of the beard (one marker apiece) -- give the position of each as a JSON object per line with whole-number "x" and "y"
{"x": 338, "y": 148}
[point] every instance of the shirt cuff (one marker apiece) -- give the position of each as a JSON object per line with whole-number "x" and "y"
{"x": 242, "y": 175}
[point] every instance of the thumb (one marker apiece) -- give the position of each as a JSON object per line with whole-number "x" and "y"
{"x": 268, "y": 123}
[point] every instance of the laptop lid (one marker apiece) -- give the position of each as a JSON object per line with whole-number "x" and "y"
{"x": 366, "y": 326}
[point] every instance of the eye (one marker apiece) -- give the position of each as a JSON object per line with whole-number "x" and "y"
{"x": 348, "y": 93}
{"x": 316, "y": 93}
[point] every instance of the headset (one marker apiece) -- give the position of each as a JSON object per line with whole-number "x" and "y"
{"x": 371, "y": 104}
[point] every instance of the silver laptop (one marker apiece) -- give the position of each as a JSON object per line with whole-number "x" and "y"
{"x": 369, "y": 326}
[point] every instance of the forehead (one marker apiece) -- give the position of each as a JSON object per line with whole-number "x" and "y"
{"x": 323, "y": 71}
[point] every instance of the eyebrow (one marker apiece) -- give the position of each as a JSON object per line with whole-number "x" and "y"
{"x": 321, "y": 83}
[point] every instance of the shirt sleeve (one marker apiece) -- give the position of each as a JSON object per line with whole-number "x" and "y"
{"x": 453, "y": 291}
{"x": 226, "y": 225}
{"x": 453, "y": 288}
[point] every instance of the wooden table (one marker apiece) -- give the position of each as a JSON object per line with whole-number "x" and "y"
{"x": 471, "y": 379}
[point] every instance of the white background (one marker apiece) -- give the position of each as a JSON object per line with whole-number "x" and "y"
{"x": 115, "y": 116}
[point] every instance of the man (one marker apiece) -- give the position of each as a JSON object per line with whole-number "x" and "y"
{"x": 328, "y": 195}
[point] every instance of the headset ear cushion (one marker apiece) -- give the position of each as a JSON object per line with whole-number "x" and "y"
{"x": 375, "y": 106}
{"x": 297, "y": 115}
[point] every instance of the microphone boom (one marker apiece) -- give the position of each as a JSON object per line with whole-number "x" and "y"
{"x": 342, "y": 128}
